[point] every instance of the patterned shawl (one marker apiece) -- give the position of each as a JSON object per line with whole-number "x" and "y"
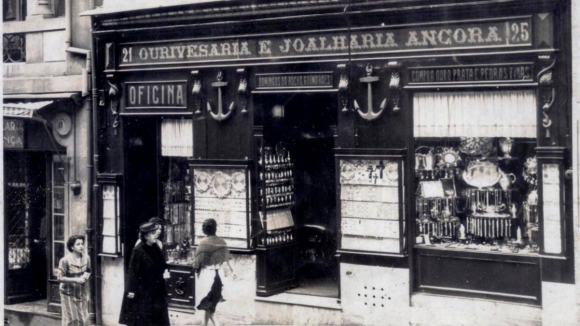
{"x": 212, "y": 250}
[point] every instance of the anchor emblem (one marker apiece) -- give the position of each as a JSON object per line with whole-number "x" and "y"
{"x": 370, "y": 114}
{"x": 220, "y": 116}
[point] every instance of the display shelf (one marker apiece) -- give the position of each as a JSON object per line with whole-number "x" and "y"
{"x": 276, "y": 189}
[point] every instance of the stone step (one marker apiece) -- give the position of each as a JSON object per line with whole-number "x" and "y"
{"x": 30, "y": 313}
{"x": 20, "y": 318}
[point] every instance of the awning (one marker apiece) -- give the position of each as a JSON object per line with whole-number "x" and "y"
{"x": 115, "y": 7}
{"x": 44, "y": 96}
{"x": 23, "y": 110}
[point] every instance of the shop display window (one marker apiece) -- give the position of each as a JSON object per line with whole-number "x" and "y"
{"x": 476, "y": 172}
{"x": 371, "y": 202}
{"x": 276, "y": 180}
{"x": 221, "y": 190}
{"x": 110, "y": 206}
{"x": 176, "y": 210}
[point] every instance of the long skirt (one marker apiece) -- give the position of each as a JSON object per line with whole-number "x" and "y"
{"x": 75, "y": 312}
{"x": 215, "y": 293}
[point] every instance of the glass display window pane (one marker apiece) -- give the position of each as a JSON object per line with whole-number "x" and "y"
{"x": 58, "y": 203}
{"x": 477, "y": 194}
{"x": 110, "y": 204}
{"x": 58, "y": 253}
{"x": 58, "y": 227}
{"x": 109, "y": 227}
{"x": 109, "y": 244}
{"x": 59, "y": 174}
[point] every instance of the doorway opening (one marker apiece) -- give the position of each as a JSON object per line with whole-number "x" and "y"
{"x": 304, "y": 123}
{"x": 25, "y": 212}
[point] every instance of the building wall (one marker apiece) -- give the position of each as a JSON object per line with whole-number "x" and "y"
{"x": 575, "y": 39}
{"x": 112, "y": 287}
{"x": 48, "y": 70}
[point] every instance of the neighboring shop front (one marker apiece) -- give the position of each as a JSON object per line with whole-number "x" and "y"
{"x": 41, "y": 192}
{"x": 364, "y": 163}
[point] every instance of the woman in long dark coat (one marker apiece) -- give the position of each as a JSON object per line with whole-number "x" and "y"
{"x": 145, "y": 302}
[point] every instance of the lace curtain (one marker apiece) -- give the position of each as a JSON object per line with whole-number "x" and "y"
{"x": 475, "y": 114}
{"x": 177, "y": 137}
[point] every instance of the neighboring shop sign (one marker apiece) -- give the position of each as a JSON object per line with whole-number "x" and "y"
{"x": 294, "y": 80}
{"x": 162, "y": 95}
{"x": 442, "y": 36}
{"x": 492, "y": 73}
{"x": 13, "y": 133}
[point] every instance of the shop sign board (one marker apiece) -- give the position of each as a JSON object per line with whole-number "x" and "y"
{"x": 440, "y": 36}
{"x": 472, "y": 74}
{"x": 294, "y": 80}
{"x": 147, "y": 95}
{"x": 13, "y": 133}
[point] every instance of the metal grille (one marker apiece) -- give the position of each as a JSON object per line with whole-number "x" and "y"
{"x": 18, "y": 228}
{"x": 14, "y": 48}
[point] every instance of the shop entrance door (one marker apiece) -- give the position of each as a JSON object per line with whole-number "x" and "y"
{"x": 304, "y": 124}
{"x": 25, "y": 207}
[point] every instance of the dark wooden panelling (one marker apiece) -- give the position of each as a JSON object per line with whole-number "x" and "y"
{"x": 373, "y": 260}
{"x": 276, "y": 269}
{"x": 502, "y": 277}
{"x": 181, "y": 287}
{"x": 230, "y": 138}
{"x": 54, "y": 296}
{"x": 390, "y": 129}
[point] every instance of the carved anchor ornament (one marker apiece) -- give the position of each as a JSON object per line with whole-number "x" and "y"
{"x": 220, "y": 116}
{"x": 370, "y": 114}
{"x": 179, "y": 286}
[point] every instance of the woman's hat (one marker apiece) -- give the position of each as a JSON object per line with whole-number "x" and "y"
{"x": 148, "y": 227}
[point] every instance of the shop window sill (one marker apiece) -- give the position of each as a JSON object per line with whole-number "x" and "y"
{"x": 303, "y": 300}
{"x": 481, "y": 249}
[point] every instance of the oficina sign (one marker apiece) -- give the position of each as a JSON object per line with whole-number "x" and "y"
{"x": 489, "y": 33}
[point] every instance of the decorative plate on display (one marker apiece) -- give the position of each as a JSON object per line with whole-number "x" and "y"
{"x": 476, "y": 145}
{"x": 201, "y": 181}
{"x": 481, "y": 174}
{"x": 450, "y": 156}
{"x": 221, "y": 184}
{"x": 238, "y": 182}
{"x": 347, "y": 171}
{"x": 392, "y": 171}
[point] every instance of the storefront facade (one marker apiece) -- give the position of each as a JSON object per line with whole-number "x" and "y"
{"x": 370, "y": 162}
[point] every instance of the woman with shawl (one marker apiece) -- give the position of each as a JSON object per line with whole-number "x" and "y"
{"x": 210, "y": 257}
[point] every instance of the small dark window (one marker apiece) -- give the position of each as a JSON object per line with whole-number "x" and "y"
{"x": 58, "y": 8}
{"x": 13, "y": 48}
{"x": 13, "y": 10}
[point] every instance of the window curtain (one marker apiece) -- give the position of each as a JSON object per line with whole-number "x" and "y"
{"x": 177, "y": 137}
{"x": 475, "y": 114}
